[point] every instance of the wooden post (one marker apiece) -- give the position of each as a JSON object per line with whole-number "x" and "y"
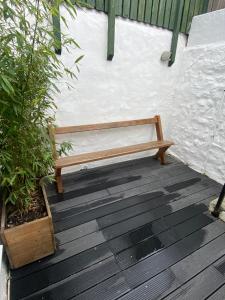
{"x": 111, "y": 29}
{"x": 177, "y": 24}
{"x": 58, "y": 178}
{"x": 57, "y": 29}
{"x": 158, "y": 127}
{"x": 161, "y": 153}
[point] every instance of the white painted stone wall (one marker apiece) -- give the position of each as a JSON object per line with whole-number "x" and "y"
{"x": 4, "y": 275}
{"x": 136, "y": 84}
{"x": 198, "y": 121}
{"x": 207, "y": 29}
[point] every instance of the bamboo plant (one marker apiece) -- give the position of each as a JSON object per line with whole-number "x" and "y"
{"x": 29, "y": 70}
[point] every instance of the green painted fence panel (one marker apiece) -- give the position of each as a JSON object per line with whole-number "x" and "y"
{"x": 173, "y": 14}
{"x": 190, "y": 15}
{"x": 126, "y": 8}
{"x": 185, "y": 16}
{"x": 141, "y": 10}
{"x": 197, "y": 7}
{"x": 160, "y": 13}
{"x": 91, "y": 3}
{"x": 119, "y": 7}
{"x": 162, "y": 6}
{"x": 99, "y": 5}
{"x": 106, "y": 6}
{"x": 155, "y": 8}
{"x": 148, "y": 11}
{"x": 133, "y": 9}
{"x": 167, "y": 14}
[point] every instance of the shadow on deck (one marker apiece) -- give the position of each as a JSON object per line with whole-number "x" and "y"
{"x": 133, "y": 230}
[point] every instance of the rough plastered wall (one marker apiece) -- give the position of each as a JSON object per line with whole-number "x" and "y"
{"x": 136, "y": 84}
{"x": 198, "y": 120}
{"x": 4, "y": 275}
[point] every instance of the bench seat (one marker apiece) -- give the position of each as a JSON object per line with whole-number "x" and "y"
{"x": 68, "y": 161}
{"x": 63, "y": 162}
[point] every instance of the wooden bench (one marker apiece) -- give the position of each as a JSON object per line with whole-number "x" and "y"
{"x": 63, "y": 162}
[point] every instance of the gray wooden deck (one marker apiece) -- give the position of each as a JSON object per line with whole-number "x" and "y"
{"x": 134, "y": 230}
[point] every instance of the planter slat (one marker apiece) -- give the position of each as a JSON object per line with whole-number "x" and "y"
{"x": 30, "y": 241}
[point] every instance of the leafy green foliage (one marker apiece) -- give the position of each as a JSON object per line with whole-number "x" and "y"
{"x": 29, "y": 69}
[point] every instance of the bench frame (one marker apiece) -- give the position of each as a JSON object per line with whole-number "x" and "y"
{"x": 82, "y": 128}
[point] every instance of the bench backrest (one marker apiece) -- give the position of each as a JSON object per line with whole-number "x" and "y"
{"x": 156, "y": 120}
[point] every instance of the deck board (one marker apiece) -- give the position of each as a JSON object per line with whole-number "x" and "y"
{"x": 133, "y": 231}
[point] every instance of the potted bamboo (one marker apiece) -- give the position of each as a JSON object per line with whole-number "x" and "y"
{"x": 29, "y": 69}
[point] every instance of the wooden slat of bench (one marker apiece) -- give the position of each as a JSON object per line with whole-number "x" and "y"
{"x": 104, "y": 154}
{"x": 91, "y": 127}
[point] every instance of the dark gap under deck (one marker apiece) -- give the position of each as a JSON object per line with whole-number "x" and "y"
{"x": 134, "y": 231}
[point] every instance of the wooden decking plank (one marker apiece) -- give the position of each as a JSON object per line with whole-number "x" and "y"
{"x": 77, "y": 219}
{"x": 124, "y": 180}
{"x": 161, "y": 241}
{"x": 84, "y": 177}
{"x": 68, "y": 287}
{"x": 137, "y": 221}
{"x": 60, "y": 256}
{"x": 159, "y": 181}
{"x": 109, "y": 289}
{"x": 200, "y": 286}
{"x": 148, "y": 230}
{"x": 108, "y": 268}
{"x": 92, "y": 193}
{"x": 86, "y": 206}
{"x": 60, "y": 271}
{"x": 135, "y": 210}
{"x": 76, "y": 187}
{"x": 166, "y": 282}
{"x": 69, "y": 263}
{"x": 111, "y": 207}
{"x": 155, "y": 264}
{"x": 116, "y": 231}
{"x": 155, "y": 288}
{"x": 218, "y": 294}
{"x": 76, "y": 232}
{"x": 99, "y": 187}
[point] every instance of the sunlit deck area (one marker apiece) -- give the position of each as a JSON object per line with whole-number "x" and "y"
{"x": 131, "y": 230}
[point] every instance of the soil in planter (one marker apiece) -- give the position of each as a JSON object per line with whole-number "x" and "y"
{"x": 35, "y": 210}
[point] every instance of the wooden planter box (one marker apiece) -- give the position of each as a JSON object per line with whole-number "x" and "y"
{"x": 28, "y": 242}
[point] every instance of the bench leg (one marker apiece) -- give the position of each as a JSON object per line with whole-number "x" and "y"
{"x": 161, "y": 155}
{"x": 58, "y": 178}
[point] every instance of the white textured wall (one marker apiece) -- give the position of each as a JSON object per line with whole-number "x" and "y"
{"x": 208, "y": 29}
{"x": 4, "y": 274}
{"x": 136, "y": 84}
{"x": 198, "y": 121}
